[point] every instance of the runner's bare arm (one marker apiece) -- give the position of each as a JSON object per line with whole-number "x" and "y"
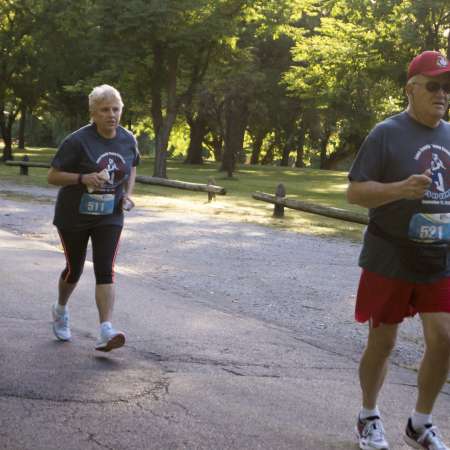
{"x": 128, "y": 203}
{"x": 61, "y": 178}
{"x": 129, "y": 187}
{"x": 371, "y": 194}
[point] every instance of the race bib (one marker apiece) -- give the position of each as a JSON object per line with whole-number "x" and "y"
{"x": 429, "y": 227}
{"x": 97, "y": 204}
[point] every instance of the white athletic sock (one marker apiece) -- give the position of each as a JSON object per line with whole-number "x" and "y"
{"x": 105, "y": 326}
{"x": 365, "y": 413}
{"x": 60, "y": 309}
{"x": 419, "y": 420}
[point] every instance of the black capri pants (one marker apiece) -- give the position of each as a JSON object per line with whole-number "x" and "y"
{"x": 105, "y": 242}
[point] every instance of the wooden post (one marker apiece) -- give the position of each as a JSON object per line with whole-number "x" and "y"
{"x": 211, "y": 195}
{"x": 24, "y": 168}
{"x": 280, "y": 192}
{"x": 327, "y": 211}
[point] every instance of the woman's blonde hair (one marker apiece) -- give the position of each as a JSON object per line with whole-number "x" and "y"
{"x": 102, "y": 93}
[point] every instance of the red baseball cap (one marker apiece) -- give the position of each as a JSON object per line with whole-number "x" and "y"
{"x": 428, "y": 63}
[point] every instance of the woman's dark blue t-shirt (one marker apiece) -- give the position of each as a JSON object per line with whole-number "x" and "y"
{"x": 86, "y": 151}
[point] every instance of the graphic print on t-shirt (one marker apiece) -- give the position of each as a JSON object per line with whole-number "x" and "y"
{"x": 433, "y": 227}
{"x": 436, "y": 158}
{"x": 437, "y": 172}
{"x": 116, "y": 167}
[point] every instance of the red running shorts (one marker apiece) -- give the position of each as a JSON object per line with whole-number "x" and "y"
{"x": 390, "y": 300}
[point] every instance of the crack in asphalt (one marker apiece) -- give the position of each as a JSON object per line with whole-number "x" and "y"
{"x": 231, "y": 366}
{"x": 21, "y": 319}
{"x": 411, "y": 385}
{"x": 234, "y": 372}
{"x": 158, "y": 387}
{"x": 197, "y": 361}
{"x": 91, "y": 438}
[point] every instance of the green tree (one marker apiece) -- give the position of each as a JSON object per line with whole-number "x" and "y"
{"x": 342, "y": 86}
{"x": 73, "y": 56}
{"x": 255, "y": 69}
{"x": 361, "y": 80}
{"x": 19, "y": 54}
{"x": 167, "y": 44}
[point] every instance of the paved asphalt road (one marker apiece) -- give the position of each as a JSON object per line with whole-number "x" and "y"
{"x": 193, "y": 375}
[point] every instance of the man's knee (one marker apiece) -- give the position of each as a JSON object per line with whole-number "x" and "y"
{"x": 381, "y": 348}
{"x": 439, "y": 343}
{"x": 381, "y": 340}
{"x": 437, "y": 333}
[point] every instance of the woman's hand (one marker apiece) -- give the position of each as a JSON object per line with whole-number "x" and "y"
{"x": 95, "y": 180}
{"x": 127, "y": 203}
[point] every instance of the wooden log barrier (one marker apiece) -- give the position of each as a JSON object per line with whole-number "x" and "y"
{"x": 181, "y": 184}
{"x": 26, "y": 163}
{"x": 210, "y": 188}
{"x": 327, "y": 211}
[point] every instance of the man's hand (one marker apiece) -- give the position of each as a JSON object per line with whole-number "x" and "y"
{"x": 415, "y": 186}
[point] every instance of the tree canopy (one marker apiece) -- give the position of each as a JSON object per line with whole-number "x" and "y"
{"x": 293, "y": 81}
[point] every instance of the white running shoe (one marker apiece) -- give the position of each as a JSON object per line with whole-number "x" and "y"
{"x": 370, "y": 434}
{"x": 109, "y": 340}
{"x": 428, "y": 438}
{"x": 61, "y": 327}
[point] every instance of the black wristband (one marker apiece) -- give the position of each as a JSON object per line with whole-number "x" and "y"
{"x": 80, "y": 178}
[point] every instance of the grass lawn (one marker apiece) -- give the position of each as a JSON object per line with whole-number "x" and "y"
{"x": 318, "y": 186}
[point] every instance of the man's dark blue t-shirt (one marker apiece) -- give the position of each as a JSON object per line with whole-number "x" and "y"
{"x": 394, "y": 150}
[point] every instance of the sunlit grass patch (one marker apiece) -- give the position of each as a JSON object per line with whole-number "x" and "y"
{"x": 311, "y": 185}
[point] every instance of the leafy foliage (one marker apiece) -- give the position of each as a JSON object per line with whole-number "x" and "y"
{"x": 303, "y": 78}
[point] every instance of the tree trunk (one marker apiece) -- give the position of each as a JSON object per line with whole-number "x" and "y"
{"x": 217, "y": 144}
{"x": 161, "y": 144}
{"x": 268, "y": 157}
{"x": 300, "y": 148}
{"x": 323, "y": 149}
{"x": 287, "y": 150}
{"x": 22, "y": 123}
{"x": 7, "y": 149}
{"x": 333, "y": 161}
{"x": 76, "y": 120}
{"x": 198, "y": 130}
{"x": 236, "y": 113}
{"x": 163, "y": 125}
{"x": 348, "y": 149}
{"x": 228, "y": 160}
{"x": 6, "y": 123}
{"x": 257, "y": 145}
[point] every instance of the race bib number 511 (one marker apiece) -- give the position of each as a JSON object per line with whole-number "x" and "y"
{"x": 97, "y": 204}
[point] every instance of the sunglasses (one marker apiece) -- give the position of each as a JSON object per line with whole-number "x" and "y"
{"x": 435, "y": 86}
